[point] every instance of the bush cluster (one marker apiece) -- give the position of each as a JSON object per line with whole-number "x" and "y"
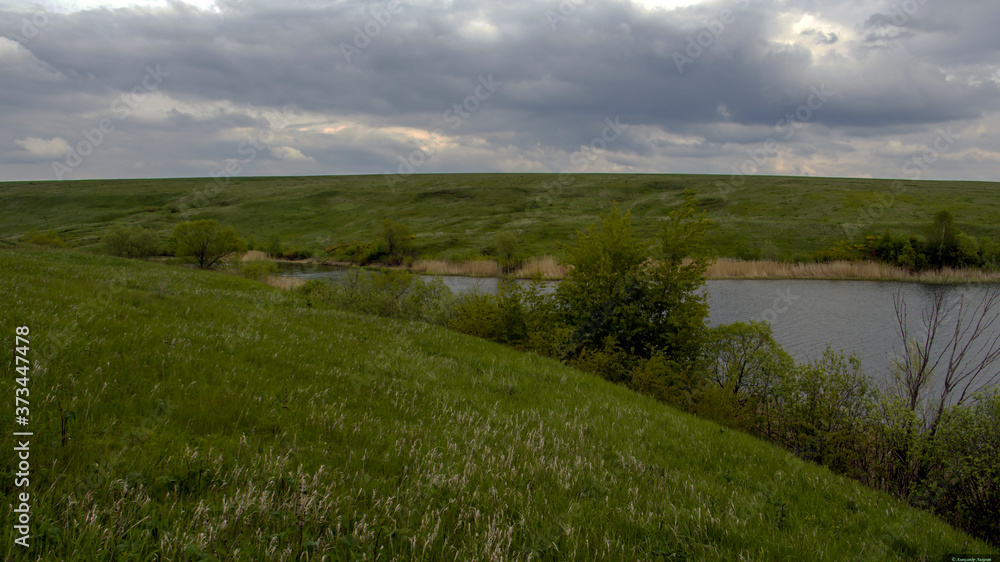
{"x": 131, "y": 241}
{"x": 258, "y": 269}
{"x": 394, "y": 294}
{"x": 942, "y": 244}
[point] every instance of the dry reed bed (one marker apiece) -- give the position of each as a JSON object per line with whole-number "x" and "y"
{"x": 285, "y": 283}
{"x": 548, "y": 266}
{"x": 736, "y": 269}
{"x": 255, "y": 255}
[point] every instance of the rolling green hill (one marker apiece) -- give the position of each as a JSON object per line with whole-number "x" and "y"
{"x": 198, "y": 415}
{"x": 455, "y": 214}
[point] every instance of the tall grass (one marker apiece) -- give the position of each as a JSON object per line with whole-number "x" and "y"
{"x": 285, "y": 283}
{"x": 547, "y": 266}
{"x": 214, "y": 417}
{"x": 726, "y": 268}
{"x": 475, "y": 268}
{"x": 255, "y": 255}
{"x": 766, "y": 269}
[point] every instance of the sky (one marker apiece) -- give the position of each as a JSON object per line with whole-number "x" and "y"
{"x": 226, "y": 88}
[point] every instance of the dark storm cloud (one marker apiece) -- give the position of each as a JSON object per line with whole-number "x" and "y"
{"x": 724, "y": 74}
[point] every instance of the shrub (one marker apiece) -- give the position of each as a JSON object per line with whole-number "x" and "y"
{"x": 130, "y": 241}
{"x": 50, "y": 239}
{"x": 206, "y": 243}
{"x": 258, "y": 269}
{"x": 840, "y": 251}
{"x": 274, "y": 246}
{"x": 743, "y": 251}
{"x": 743, "y": 359}
{"x": 989, "y": 254}
{"x": 963, "y": 479}
{"x": 395, "y": 240}
{"x": 966, "y": 252}
{"x": 769, "y": 251}
{"x": 296, "y": 253}
{"x": 824, "y": 406}
{"x": 396, "y": 294}
{"x": 646, "y": 299}
{"x": 667, "y": 381}
{"x": 506, "y": 248}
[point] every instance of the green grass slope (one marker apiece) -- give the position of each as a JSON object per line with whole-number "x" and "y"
{"x": 201, "y": 416}
{"x": 454, "y": 214}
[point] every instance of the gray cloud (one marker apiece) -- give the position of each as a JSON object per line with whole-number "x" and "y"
{"x": 363, "y": 84}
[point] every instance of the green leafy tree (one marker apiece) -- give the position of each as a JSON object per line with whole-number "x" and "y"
{"x": 395, "y": 239}
{"x": 641, "y": 294}
{"x": 206, "y": 243}
{"x": 825, "y": 404}
{"x": 130, "y": 241}
{"x": 744, "y": 359}
{"x": 274, "y": 246}
{"x": 966, "y": 252}
{"x": 507, "y": 248}
{"x": 941, "y": 237}
{"x": 989, "y": 254}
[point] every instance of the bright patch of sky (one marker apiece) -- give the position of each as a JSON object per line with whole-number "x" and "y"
{"x": 79, "y": 5}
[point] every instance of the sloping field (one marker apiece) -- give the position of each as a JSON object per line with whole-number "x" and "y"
{"x": 196, "y": 415}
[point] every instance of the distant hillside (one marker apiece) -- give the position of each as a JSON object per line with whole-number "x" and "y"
{"x": 455, "y": 215}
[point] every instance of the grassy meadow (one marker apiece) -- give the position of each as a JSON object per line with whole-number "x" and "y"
{"x": 456, "y": 216}
{"x": 190, "y": 415}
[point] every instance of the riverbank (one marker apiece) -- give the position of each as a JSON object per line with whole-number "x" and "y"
{"x": 725, "y": 268}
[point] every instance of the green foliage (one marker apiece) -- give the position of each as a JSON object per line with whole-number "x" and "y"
{"x": 507, "y": 251}
{"x": 395, "y": 240}
{"x": 50, "y": 239}
{"x": 943, "y": 245}
{"x": 503, "y": 317}
{"x": 259, "y": 269}
{"x": 744, "y": 360}
{"x": 394, "y": 294}
{"x": 205, "y": 242}
{"x": 274, "y": 245}
{"x": 989, "y": 254}
{"x": 610, "y": 362}
{"x": 130, "y": 241}
{"x": 666, "y": 380}
{"x": 966, "y": 251}
{"x": 360, "y": 253}
{"x": 941, "y": 237}
{"x": 842, "y": 250}
{"x": 824, "y": 404}
{"x": 744, "y": 251}
{"x": 296, "y": 253}
{"x": 964, "y": 466}
{"x": 901, "y": 252}
{"x": 642, "y": 293}
{"x": 769, "y": 251}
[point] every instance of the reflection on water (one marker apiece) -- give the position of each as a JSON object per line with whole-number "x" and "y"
{"x": 806, "y": 315}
